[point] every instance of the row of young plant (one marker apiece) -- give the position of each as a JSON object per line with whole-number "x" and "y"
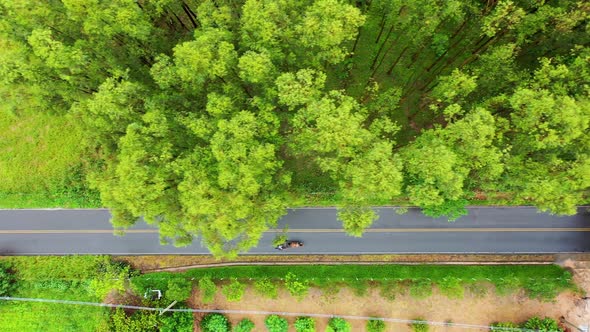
{"x": 418, "y": 281}
{"x": 216, "y": 322}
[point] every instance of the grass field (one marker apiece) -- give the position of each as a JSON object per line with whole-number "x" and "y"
{"x": 41, "y": 162}
{"x": 59, "y": 277}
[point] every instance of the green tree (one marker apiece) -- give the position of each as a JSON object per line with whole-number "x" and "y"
{"x": 267, "y": 288}
{"x": 275, "y": 323}
{"x": 338, "y": 324}
{"x": 179, "y": 289}
{"x": 215, "y": 322}
{"x": 234, "y": 291}
{"x": 245, "y": 325}
{"x": 297, "y": 288}
{"x": 543, "y": 325}
{"x": 177, "y": 322}
{"x": 207, "y": 289}
{"x": 375, "y": 325}
{"x": 304, "y": 324}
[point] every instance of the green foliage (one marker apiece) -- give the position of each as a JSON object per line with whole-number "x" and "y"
{"x": 7, "y": 280}
{"x": 178, "y": 290}
{"x": 234, "y": 291}
{"x": 337, "y": 324}
{"x": 375, "y": 325}
{"x": 504, "y": 327}
{"x": 507, "y": 284}
{"x": 177, "y": 322}
{"x": 305, "y": 324}
{"x": 542, "y": 325}
{"x": 245, "y": 325}
{"x": 420, "y": 325}
{"x": 359, "y": 287}
{"x": 355, "y": 220}
{"x": 266, "y": 287}
{"x": 275, "y": 323}
{"x": 478, "y": 289}
{"x": 390, "y": 289}
{"x": 137, "y": 322}
{"x": 451, "y": 288}
{"x": 297, "y": 288}
{"x": 215, "y": 322}
{"x": 421, "y": 288}
{"x": 207, "y": 289}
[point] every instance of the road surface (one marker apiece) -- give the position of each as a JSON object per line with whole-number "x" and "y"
{"x": 484, "y": 230}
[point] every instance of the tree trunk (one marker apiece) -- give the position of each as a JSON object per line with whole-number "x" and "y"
{"x": 381, "y": 47}
{"x": 190, "y": 14}
{"x": 397, "y": 60}
{"x": 382, "y": 26}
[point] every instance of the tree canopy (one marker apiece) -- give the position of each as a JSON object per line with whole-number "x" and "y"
{"x": 206, "y": 117}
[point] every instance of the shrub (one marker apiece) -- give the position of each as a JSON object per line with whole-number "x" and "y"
{"x": 304, "y": 324}
{"x": 421, "y": 289}
{"x": 507, "y": 285}
{"x": 177, "y": 322}
{"x": 451, "y": 288}
{"x": 234, "y": 291}
{"x": 503, "y": 327}
{"x": 266, "y": 288}
{"x": 390, "y": 289}
{"x": 420, "y": 325}
{"x": 245, "y": 325}
{"x": 111, "y": 276}
{"x": 375, "y": 325}
{"x": 539, "y": 289}
{"x": 296, "y": 288}
{"x": 140, "y": 321}
{"x": 179, "y": 289}
{"x": 207, "y": 289}
{"x": 275, "y": 323}
{"x": 338, "y": 324}
{"x": 215, "y": 322}
{"x": 7, "y": 280}
{"x": 359, "y": 287}
{"x": 542, "y": 325}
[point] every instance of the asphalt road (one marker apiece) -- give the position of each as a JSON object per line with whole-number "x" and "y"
{"x": 484, "y": 230}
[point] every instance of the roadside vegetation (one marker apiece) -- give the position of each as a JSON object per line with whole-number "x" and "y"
{"x": 99, "y": 279}
{"x": 197, "y": 114}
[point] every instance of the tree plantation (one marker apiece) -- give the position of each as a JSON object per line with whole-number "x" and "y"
{"x": 210, "y": 117}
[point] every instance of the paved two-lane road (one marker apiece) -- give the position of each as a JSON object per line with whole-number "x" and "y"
{"x": 484, "y": 230}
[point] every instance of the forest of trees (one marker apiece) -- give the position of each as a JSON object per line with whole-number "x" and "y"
{"x": 210, "y": 117}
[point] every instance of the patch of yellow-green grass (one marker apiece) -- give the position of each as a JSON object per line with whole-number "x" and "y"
{"x": 41, "y": 161}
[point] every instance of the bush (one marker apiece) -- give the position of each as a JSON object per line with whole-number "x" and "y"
{"x": 245, "y": 325}
{"x": 507, "y": 285}
{"x": 177, "y": 322}
{"x": 478, "y": 289}
{"x": 359, "y": 287}
{"x": 140, "y": 321}
{"x": 296, "y": 288}
{"x": 421, "y": 289}
{"x": 503, "y": 327}
{"x": 207, "y": 289}
{"x": 266, "y": 288}
{"x": 234, "y": 291}
{"x": 542, "y": 325}
{"x": 215, "y": 322}
{"x": 275, "y": 323}
{"x": 539, "y": 289}
{"x": 338, "y": 324}
{"x": 451, "y": 288}
{"x": 7, "y": 280}
{"x": 304, "y": 324}
{"x": 375, "y": 325}
{"x": 390, "y": 289}
{"x": 179, "y": 289}
{"x": 420, "y": 325}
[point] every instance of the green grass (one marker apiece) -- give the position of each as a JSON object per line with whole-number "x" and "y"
{"x": 59, "y": 277}
{"x": 41, "y": 162}
{"x": 540, "y": 281}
